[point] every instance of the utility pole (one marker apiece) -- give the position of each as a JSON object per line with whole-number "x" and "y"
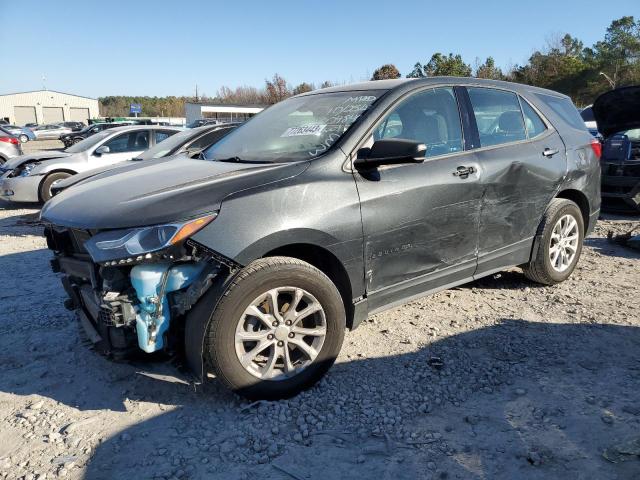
{"x": 44, "y": 82}
{"x": 196, "y": 93}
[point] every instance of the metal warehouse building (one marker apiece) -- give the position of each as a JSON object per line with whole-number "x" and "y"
{"x": 46, "y": 106}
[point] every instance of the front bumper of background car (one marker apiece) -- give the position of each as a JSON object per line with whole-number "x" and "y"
{"x": 621, "y": 185}
{"x": 20, "y": 189}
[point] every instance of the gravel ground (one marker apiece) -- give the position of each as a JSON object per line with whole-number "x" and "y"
{"x": 498, "y": 379}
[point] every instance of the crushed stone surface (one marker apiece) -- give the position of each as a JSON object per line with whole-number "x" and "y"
{"x": 497, "y": 379}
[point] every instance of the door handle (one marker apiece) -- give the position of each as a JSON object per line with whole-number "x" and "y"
{"x": 463, "y": 172}
{"x": 548, "y": 152}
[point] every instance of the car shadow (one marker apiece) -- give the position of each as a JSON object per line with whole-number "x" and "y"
{"x": 610, "y": 248}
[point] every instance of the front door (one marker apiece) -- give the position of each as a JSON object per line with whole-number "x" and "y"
{"x": 523, "y": 160}
{"x": 420, "y": 221}
{"x": 122, "y": 147}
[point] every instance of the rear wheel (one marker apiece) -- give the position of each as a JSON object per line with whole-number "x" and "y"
{"x": 276, "y": 330}
{"x": 558, "y": 250}
{"x": 23, "y": 138}
{"x": 48, "y": 182}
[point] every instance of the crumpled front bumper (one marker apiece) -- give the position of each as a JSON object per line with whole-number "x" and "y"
{"x": 20, "y": 189}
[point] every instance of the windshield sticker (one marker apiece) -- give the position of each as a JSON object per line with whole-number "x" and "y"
{"x": 304, "y": 130}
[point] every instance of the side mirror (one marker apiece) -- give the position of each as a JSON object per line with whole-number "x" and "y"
{"x": 390, "y": 151}
{"x": 101, "y": 150}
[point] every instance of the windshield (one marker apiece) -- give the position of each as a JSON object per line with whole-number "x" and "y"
{"x": 300, "y": 128}
{"x": 89, "y": 142}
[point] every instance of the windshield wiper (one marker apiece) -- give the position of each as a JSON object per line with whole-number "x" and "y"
{"x": 231, "y": 159}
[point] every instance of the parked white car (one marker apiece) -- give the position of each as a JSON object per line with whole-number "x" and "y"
{"x": 47, "y": 132}
{"x": 29, "y": 178}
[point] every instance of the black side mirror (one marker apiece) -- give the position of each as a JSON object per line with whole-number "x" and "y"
{"x": 390, "y": 151}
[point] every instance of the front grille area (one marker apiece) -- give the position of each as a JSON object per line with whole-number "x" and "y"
{"x": 68, "y": 241}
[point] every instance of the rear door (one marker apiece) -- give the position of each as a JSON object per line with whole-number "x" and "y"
{"x": 523, "y": 160}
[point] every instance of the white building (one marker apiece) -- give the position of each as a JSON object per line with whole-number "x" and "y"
{"x": 224, "y": 113}
{"x": 46, "y": 106}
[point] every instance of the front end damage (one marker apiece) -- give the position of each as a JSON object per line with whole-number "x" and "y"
{"x": 136, "y": 304}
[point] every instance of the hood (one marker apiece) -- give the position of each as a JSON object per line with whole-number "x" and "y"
{"x": 617, "y": 110}
{"x": 99, "y": 173}
{"x": 36, "y": 157}
{"x": 159, "y": 192}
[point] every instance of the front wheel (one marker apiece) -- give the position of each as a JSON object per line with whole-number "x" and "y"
{"x": 49, "y": 181}
{"x": 561, "y": 234}
{"x": 276, "y": 330}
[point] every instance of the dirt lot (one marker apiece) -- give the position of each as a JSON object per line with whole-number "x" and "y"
{"x": 499, "y": 379}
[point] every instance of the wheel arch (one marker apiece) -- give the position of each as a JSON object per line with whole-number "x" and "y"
{"x": 580, "y": 199}
{"x": 325, "y": 261}
{"x": 46, "y": 175}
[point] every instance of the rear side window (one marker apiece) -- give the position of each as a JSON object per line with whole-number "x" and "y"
{"x": 565, "y": 109}
{"x": 587, "y": 115}
{"x": 430, "y": 117}
{"x": 210, "y": 138}
{"x": 498, "y": 116}
{"x": 161, "y": 135}
{"x": 533, "y": 122}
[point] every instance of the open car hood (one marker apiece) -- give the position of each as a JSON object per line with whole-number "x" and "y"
{"x": 617, "y": 110}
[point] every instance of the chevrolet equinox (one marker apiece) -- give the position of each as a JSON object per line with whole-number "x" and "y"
{"x": 251, "y": 261}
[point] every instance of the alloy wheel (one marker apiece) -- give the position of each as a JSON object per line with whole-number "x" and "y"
{"x": 280, "y": 333}
{"x": 564, "y": 243}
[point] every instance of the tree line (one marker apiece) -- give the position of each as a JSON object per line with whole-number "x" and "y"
{"x": 565, "y": 64}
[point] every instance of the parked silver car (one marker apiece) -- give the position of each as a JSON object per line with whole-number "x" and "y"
{"x": 9, "y": 146}
{"x": 47, "y": 132}
{"x": 29, "y": 178}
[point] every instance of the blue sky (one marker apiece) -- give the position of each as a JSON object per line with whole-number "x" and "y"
{"x": 144, "y": 47}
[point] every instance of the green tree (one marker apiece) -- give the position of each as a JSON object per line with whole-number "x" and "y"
{"x": 417, "y": 72}
{"x": 447, "y": 65}
{"x": 489, "y": 70}
{"x": 386, "y": 72}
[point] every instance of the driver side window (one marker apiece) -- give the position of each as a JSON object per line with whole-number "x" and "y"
{"x": 430, "y": 117}
{"x": 129, "y": 142}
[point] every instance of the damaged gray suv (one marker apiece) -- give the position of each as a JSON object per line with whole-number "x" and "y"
{"x": 252, "y": 261}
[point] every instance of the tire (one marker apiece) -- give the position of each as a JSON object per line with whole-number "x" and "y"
{"x": 221, "y": 345}
{"x": 23, "y": 138}
{"x": 541, "y": 269}
{"x": 76, "y": 140}
{"x": 45, "y": 186}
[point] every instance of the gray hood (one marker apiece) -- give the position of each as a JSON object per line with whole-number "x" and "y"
{"x": 159, "y": 193}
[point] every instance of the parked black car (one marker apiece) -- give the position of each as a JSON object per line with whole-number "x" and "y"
{"x": 616, "y": 113}
{"x": 74, "y": 126}
{"x": 189, "y": 142}
{"x": 325, "y": 208}
{"x": 74, "y": 137}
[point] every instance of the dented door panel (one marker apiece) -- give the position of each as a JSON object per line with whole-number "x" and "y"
{"x": 418, "y": 220}
{"x": 518, "y": 184}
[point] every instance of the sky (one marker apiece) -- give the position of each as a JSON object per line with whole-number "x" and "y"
{"x": 157, "y": 47}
